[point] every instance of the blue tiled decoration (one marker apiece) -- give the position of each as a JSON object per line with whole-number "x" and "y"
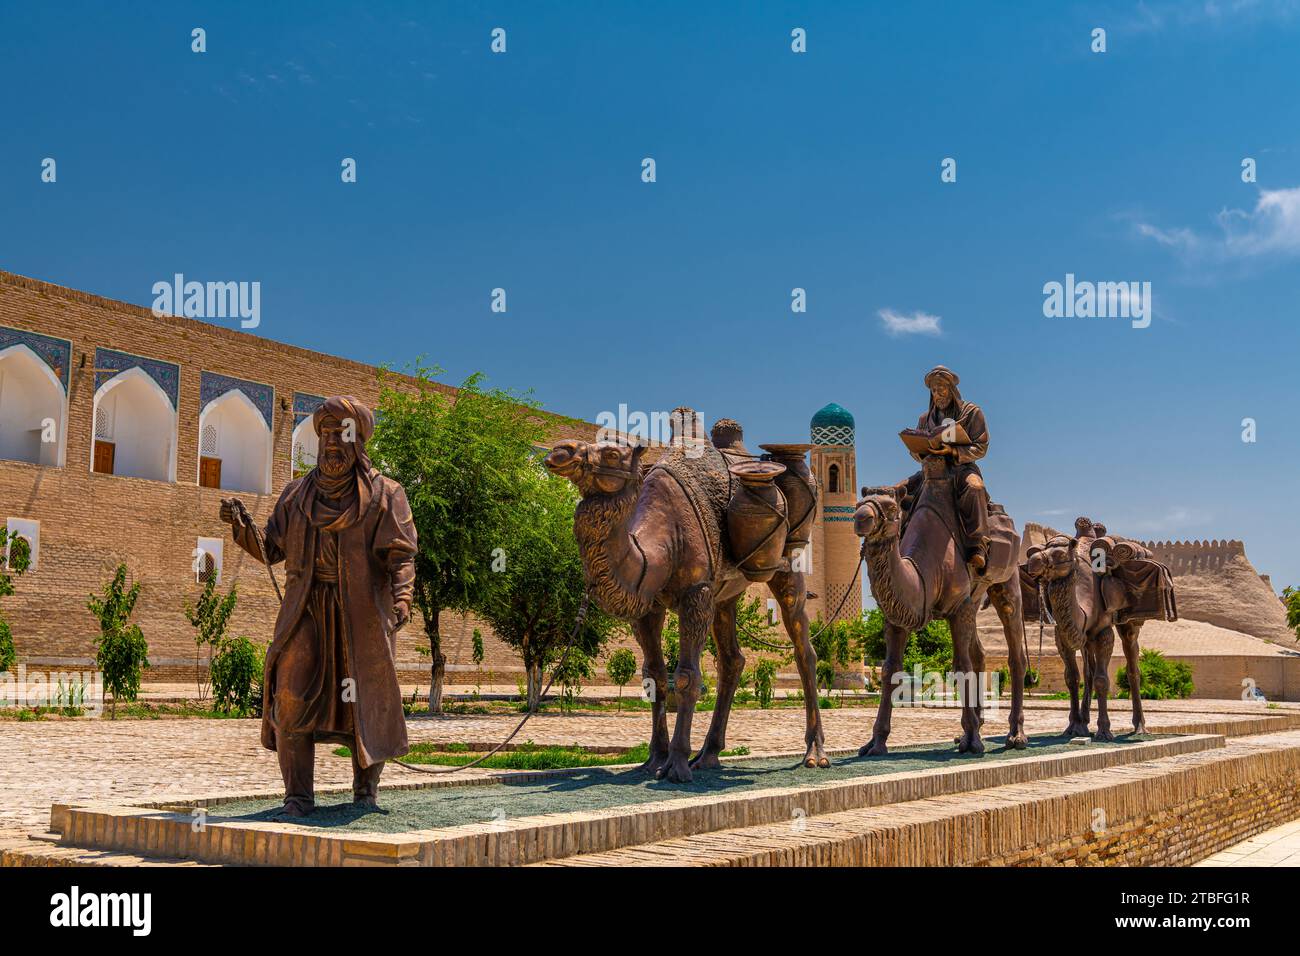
{"x": 57, "y": 353}
{"x": 212, "y": 386}
{"x": 112, "y": 363}
{"x": 304, "y": 406}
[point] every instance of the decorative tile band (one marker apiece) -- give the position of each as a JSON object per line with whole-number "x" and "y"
{"x": 56, "y": 353}
{"x": 304, "y": 406}
{"x": 213, "y": 385}
{"x": 110, "y": 363}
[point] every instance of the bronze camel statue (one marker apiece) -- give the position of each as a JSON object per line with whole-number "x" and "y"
{"x": 649, "y": 545}
{"x": 923, "y": 575}
{"x": 1088, "y": 608}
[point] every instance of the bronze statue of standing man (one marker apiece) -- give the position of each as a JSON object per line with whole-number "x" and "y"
{"x": 347, "y": 539}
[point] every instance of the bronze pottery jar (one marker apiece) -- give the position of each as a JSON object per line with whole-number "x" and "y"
{"x": 800, "y": 494}
{"x": 756, "y": 518}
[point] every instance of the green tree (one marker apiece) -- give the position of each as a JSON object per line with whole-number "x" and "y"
{"x": 837, "y": 645}
{"x": 121, "y": 652}
{"x": 930, "y": 647}
{"x": 621, "y": 667}
{"x": 18, "y": 558}
{"x": 210, "y": 617}
{"x": 541, "y": 580}
{"x": 459, "y": 458}
{"x": 1291, "y": 598}
{"x": 571, "y": 670}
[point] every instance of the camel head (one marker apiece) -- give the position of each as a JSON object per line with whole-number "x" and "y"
{"x": 1052, "y": 561}
{"x": 602, "y": 468}
{"x": 879, "y": 514}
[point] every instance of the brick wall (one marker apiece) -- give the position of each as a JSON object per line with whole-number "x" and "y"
{"x": 90, "y": 522}
{"x": 1216, "y": 806}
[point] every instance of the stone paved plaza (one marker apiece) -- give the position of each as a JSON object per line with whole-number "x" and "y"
{"x": 45, "y": 762}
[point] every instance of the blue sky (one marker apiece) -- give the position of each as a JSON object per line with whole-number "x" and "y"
{"x": 775, "y": 170}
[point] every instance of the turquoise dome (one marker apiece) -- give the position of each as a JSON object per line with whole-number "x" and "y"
{"x": 833, "y": 425}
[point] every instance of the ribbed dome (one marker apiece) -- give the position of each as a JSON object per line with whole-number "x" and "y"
{"x": 833, "y": 425}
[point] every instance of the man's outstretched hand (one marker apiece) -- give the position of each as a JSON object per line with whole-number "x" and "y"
{"x": 401, "y": 615}
{"x": 232, "y": 511}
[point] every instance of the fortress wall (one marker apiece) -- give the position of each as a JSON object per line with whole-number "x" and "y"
{"x": 1193, "y": 557}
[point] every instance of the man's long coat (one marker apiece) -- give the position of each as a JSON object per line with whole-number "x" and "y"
{"x": 376, "y": 571}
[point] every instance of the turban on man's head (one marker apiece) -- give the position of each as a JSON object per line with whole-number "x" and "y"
{"x": 941, "y": 373}
{"x": 344, "y": 408}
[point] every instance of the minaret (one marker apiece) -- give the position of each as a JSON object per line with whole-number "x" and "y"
{"x": 833, "y": 461}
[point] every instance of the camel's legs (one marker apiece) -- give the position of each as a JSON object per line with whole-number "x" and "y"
{"x": 1078, "y": 727}
{"x": 695, "y": 614}
{"x": 890, "y": 673}
{"x": 1100, "y": 648}
{"x": 791, "y": 593}
{"x": 1085, "y": 704}
{"x": 1006, "y": 601}
{"x": 962, "y": 625}
{"x": 1128, "y": 635}
{"x": 978, "y": 682}
{"x": 730, "y": 663}
{"x": 653, "y": 668}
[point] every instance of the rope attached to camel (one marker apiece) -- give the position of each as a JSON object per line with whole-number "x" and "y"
{"x": 573, "y": 636}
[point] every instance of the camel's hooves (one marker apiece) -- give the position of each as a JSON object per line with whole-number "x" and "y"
{"x": 1017, "y": 742}
{"x": 873, "y": 749}
{"x": 823, "y": 762}
{"x": 1104, "y": 735}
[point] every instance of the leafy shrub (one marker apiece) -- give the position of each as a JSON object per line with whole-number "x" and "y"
{"x": 1004, "y": 678}
{"x": 765, "y": 681}
{"x": 1162, "y": 678}
{"x": 236, "y": 675}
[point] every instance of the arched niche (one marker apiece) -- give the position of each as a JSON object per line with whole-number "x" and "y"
{"x": 134, "y": 430}
{"x": 302, "y": 453}
{"x": 31, "y": 399}
{"x": 234, "y": 445}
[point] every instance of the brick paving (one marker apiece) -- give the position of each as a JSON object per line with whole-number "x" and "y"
{"x": 45, "y": 762}
{"x": 1279, "y": 846}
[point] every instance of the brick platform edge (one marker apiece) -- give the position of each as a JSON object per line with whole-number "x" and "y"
{"x": 152, "y": 832}
{"x": 1172, "y": 811}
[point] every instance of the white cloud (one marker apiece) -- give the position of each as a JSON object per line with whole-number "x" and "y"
{"x": 918, "y": 323}
{"x": 1272, "y": 228}
{"x": 1155, "y": 16}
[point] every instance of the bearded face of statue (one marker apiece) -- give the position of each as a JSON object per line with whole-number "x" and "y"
{"x": 941, "y": 392}
{"x": 336, "y": 455}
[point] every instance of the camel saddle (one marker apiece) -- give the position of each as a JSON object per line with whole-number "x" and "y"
{"x": 1004, "y": 541}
